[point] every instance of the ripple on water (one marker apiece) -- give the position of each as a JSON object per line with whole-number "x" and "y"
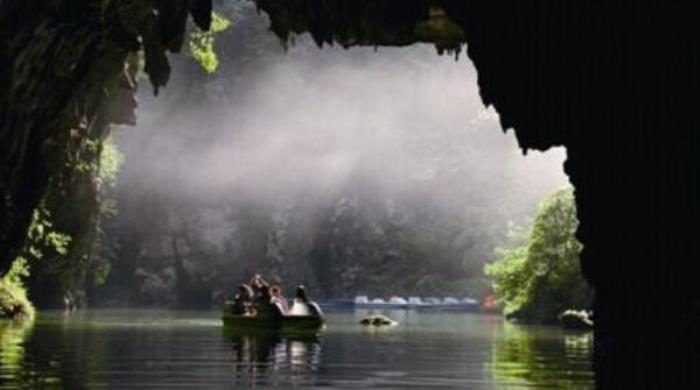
{"x": 159, "y": 349}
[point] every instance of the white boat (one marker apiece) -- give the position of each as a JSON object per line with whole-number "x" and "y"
{"x": 394, "y": 302}
{"x": 360, "y": 299}
{"x": 398, "y": 301}
{"x": 450, "y": 301}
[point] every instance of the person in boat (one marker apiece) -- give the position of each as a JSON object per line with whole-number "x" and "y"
{"x": 260, "y": 287}
{"x": 268, "y": 305}
{"x": 303, "y": 306}
{"x": 242, "y": 300}
{"x": 265, "y": 295}
{"x": 278, "y": 299}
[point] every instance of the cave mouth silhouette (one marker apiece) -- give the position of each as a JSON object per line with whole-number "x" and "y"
{"x": 614, "y": 82}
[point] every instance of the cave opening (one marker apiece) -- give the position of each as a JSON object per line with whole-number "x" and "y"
{"x": 320, "y": 165}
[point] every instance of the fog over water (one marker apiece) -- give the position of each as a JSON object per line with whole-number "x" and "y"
{"x": 352, "y": 170}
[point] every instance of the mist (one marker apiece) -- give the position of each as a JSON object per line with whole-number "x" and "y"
{"x": 315, "y": 118}
{"x": 256, "y": 167}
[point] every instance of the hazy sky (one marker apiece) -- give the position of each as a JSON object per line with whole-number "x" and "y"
{"x": 315, "y": 118}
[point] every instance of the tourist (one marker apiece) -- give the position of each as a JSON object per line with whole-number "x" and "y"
{"x": 278, "y": 299}
{"x": 259, "y": 286}
{"x": 302, "y": 305}
{"x": 242, "y": 299}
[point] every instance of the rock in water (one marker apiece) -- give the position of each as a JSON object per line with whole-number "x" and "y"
{"x": 378, "y": 320}
{"x": 576, "y": 319}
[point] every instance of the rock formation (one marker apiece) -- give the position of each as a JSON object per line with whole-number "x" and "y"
{"x": 615, "y": 82}
{"x": 66, "y": 72}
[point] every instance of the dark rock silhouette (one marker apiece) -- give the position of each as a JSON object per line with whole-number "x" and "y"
{"x": 616, "y": 82}
{"x": 575, "y": 319}
{"x": 377, "y": 320}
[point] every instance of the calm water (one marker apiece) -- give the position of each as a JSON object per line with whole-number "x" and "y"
{"x": 177, "y": 349}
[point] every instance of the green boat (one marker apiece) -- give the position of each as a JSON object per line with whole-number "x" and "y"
{"x": 271, "y": 317}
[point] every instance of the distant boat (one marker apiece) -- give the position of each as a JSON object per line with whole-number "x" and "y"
{"x": 451, "y": 303}
{"x": 396, "y": 302}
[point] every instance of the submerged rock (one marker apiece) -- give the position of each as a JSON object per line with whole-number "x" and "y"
{"x": 378, "y": 320}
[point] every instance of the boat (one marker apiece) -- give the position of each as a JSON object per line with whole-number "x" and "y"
{"x": 451, "y": 303}
{"x": 398, "y": 302}
{"x": 395, "y": 302}
{"x": 361, "y": 301}
{"x": 270, "y": 317}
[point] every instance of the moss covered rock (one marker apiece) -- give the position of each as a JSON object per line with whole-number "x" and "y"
{"x": 576, "y": 319}
{"x": 13, "y": 302}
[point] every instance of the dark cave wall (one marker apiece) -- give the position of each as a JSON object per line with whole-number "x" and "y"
{"x": 64, "y": 75}
{"x": 613, "y": 81}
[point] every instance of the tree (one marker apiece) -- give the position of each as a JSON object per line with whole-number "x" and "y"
{"x": 540, "y": 277}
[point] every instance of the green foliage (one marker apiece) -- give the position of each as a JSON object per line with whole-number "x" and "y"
{"x": 42, "y": 238}
{"x": 13, "y": 295}
{"x": 19, "y": 270}
{"x": 540, "y": 278}
{"x": 110, "y": 162}
{"x": 202, "y": 43}
{"x": 103, "y": 253}
{"x": 100, "y": 159}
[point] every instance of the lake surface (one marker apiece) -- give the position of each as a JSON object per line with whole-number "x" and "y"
{"x": 185, "y": 349}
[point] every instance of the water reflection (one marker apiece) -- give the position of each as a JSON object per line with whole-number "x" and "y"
{"x": 49, "y": 354}
{"x": 12, "y": 337}
{"x": 542, "y": 356}
{"x": 171, "y": 349}
{"x": 271, "y": 359}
